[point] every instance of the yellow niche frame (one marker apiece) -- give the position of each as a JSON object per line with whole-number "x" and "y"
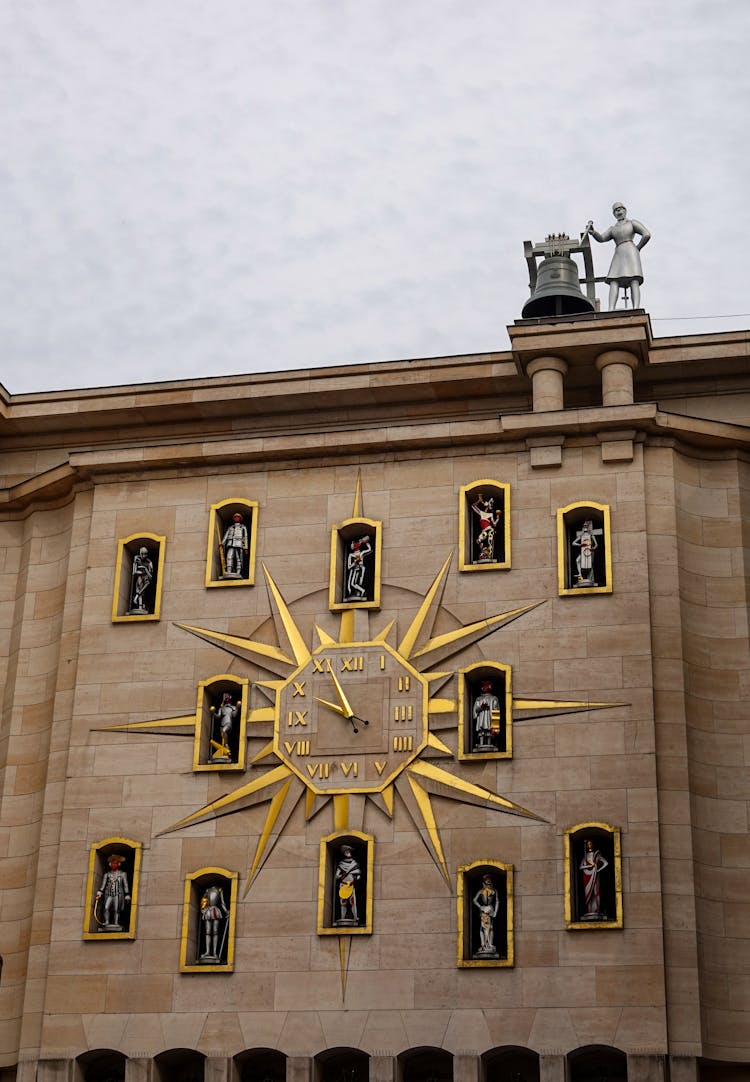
{"x": 202, "y": 716}
{"x": 461, "y": 901}
{"x": 187, "y": 907}
{"x": 496, "y": 488}
{"x": 463, "y": 706}
{"x": 236, "y": 504}
{"x": 562, "y": 555}
{"x": 117, "y": 599}
{"x": 342, "y": 533}
{"x": 599, "y": 925}
{"x": 105, "y": 847}
{"x": 325, "y": 881}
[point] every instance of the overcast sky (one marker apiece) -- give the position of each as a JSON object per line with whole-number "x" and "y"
{"x": 201, "y": 187}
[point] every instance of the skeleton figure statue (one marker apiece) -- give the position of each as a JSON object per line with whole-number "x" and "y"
{"x": 214, "y": 913}
{"x": 592, "y": 864}
{"x": 355, "y": 569}
{"x": 488, "y": 521}
{"x": 115, "y": 891}
{"x": 625, "y": 271}
{"x": 225, "y": 713}
{"x": 234, "y": 548}
{"x": 143, "y": 573}
{"x": 487, "y": 902}
{"x": 348, "y": 874}
{"x": 585, "y": 541}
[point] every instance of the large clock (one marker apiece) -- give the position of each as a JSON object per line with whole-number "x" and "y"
{"x": 351, "y": 718}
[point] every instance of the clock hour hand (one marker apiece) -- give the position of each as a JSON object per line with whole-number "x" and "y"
{"x": 353, "y": 718}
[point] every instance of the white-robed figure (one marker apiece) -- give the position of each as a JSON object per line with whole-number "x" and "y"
{"x": 585, "y": 541}
{"x": 213, "y": 913}
{"x": 485, "y": 705}
{"x": 625, "y": 270}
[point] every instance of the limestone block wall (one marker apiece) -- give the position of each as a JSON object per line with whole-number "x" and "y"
{"x": 403, "y": 988}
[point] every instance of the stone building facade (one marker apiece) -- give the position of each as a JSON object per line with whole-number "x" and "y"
{"x": 619, "y": 723}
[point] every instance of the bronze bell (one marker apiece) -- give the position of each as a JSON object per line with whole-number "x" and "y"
{"x": 556, "y": 291}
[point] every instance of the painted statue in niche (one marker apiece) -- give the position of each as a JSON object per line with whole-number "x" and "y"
{"x": 215, "y": 923}
{"x": 347, "y": 875}
{"x": 359, "y": 552}
{"x": 141, "y": 578}
{"x": 591, "y": 867}
{"x": 112, "y": 896}
{"x": 483, "y": 549}
{"x": 487, "y": 902}
{"x": 586, "y": 544}
{"x": 486, "y": 718}
{"x": 234, "y": 548}
{"x": 224, "y": 716}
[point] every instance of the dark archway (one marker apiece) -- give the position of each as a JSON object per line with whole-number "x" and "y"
{"x": 597, "y": 1063}
{"x": 342, "y": 1065}
{"x": 261, "y": 1065}
{"x": 425, "y": 1065}
{"x": 102, "y": 1065}
{"x": 511, "y": 1064}
{"x": 180, "y": 1065}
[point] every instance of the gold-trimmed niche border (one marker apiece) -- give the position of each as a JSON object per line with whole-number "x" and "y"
{"x": 209, "y": 690}
{"x": 469, "y": 882}
{"x": 99, "y": 855}
{"x": 569, "y": 520}
{"x": 469, "y": 497}
{"x": 127, "y": 547}
{"x": 220, "y": 517}
{"x": 192, "y": 925}
{"x": 330, "y": 847}
{"x": 342, "y": 536}
{"x": 468, "y": 677}
{"x": 573, "y": 839}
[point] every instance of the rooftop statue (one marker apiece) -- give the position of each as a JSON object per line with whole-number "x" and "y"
{"x": 625, "y": 270}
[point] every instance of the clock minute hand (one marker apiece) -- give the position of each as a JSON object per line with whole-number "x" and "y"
{"x": 346, "y": 705}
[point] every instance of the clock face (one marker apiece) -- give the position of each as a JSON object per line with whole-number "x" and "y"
{"x": 367, "y": 687}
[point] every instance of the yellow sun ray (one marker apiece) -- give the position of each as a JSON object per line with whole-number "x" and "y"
{"x": 358, "y": 505}
{"x": 294, "y": 636}
{"x": 450, "y": 642}
{"x": 418, "y": 804}
{"x": 181, "y": 726}
{"x": 425, "y": 616}
{"x": 324, "y": 638}
{"x": 268, "y": 657}
{"x": 281, "y": 807}
{"x": 254, "y": 792}
{"x": 442, "y": 783}
{"x": 436, "y": 744}
{"x": 264, "y": 752}
{"x": 544, "y": 708}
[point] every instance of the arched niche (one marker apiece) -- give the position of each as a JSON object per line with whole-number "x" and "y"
{"x": 485, "y": 914}
{"x": 426, "y": 1064}
{"x": 114, "y": 873}
{"x": 220, "y": 723}
{"x": 485, "y": 711}
{"x": 260, "y": 1065}
{"x": 597, "y": 1063}
{"x": 593, "y": 876}
{"x": 232, "y": 537}
{"x": 484, "y": 526}
{"x": 356, "y": 558}
{"x": 510, "y": 1064}
{"x": 209, "y": 916}
{"x": 342, "y": 1065}
{"x": 102, "y": 1065}
{"x": 345, "y": 883}
{"x": 179, "y": 1065}
{"x": 139, "y": 577}
{"x": 584, "y": 549}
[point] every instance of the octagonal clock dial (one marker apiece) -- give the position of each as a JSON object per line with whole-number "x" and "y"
{"x": 351, "y": 718}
